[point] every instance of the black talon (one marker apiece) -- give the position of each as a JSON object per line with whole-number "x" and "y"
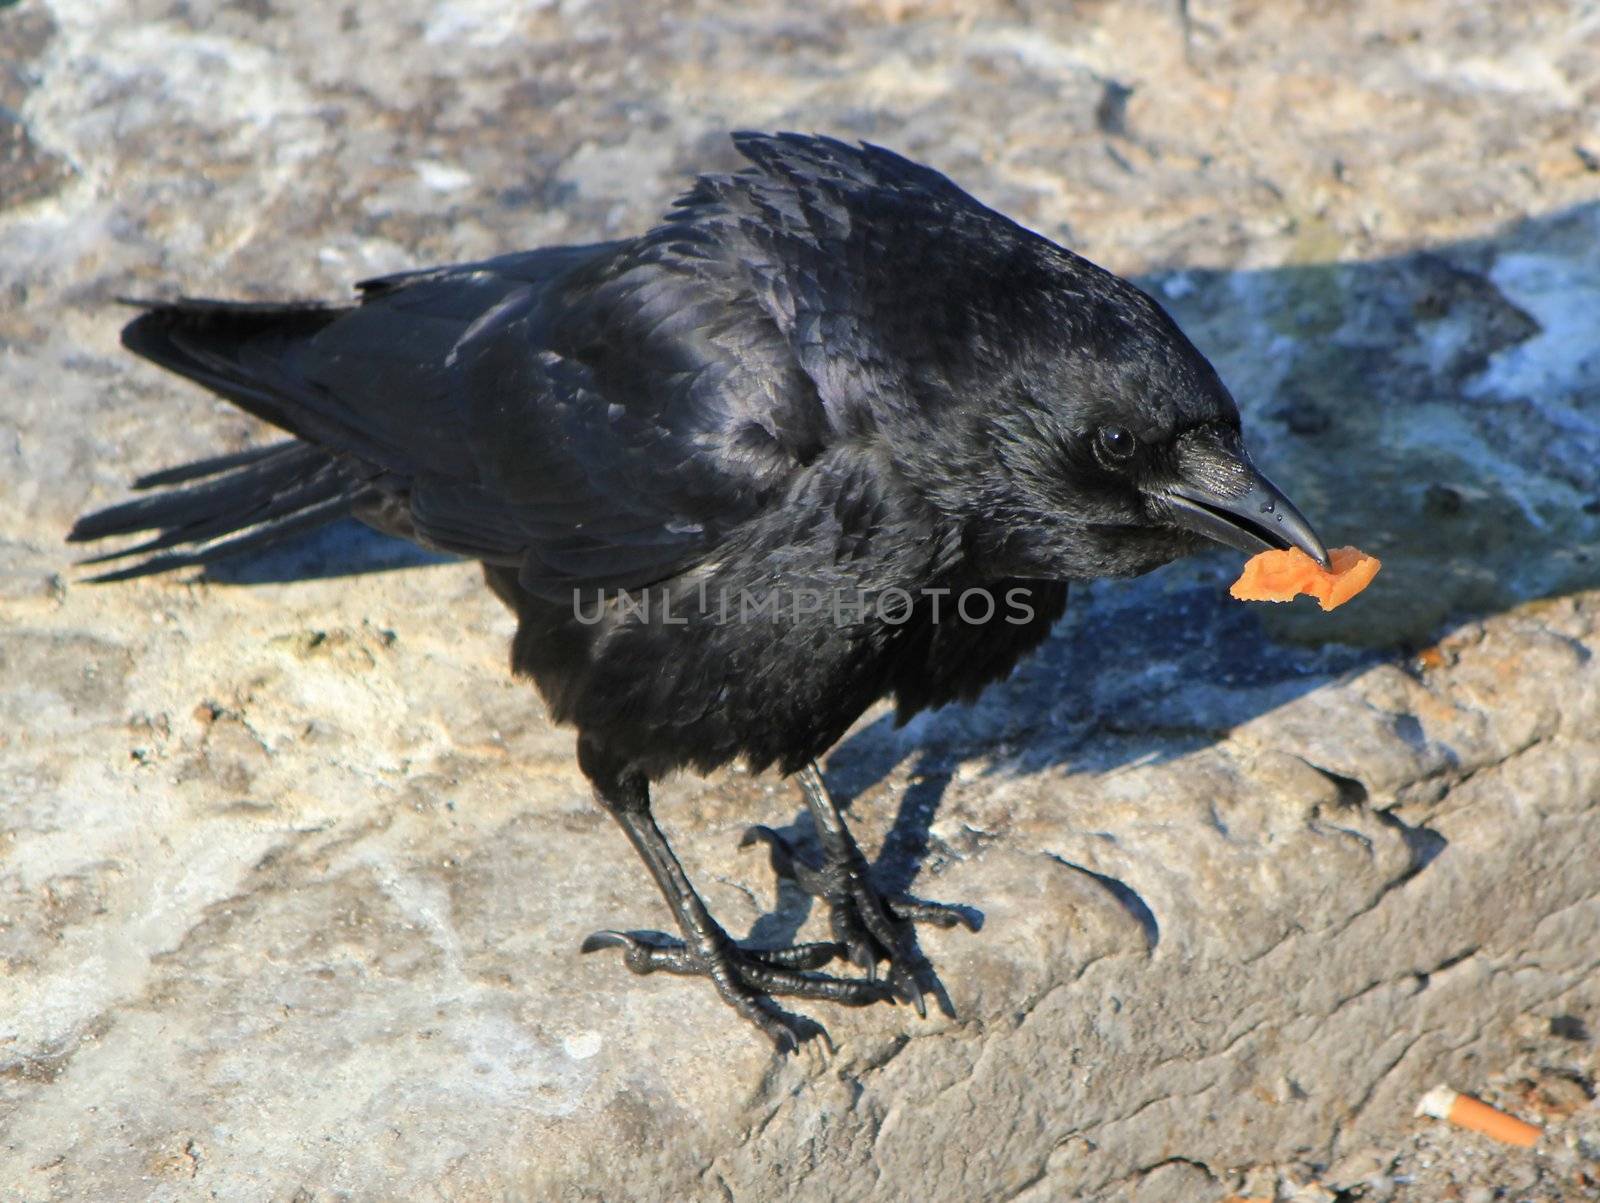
{"x": 641, "y": 954}
{"x": 871, "y": 927}
{"x": 744, "y": 978}
{"x": 939, "y": 914}
{"x": 597, "y": 940}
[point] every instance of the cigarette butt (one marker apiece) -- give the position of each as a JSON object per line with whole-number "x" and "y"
{"x": 1467, "y": 1112}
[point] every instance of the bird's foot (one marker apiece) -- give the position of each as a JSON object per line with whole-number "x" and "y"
{"x": 867, "y": 926}
{"x": 747, "y": 978}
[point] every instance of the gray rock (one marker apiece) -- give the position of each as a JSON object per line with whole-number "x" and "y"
{"x": 294, "y": 875}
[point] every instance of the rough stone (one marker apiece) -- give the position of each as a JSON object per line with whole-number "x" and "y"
{"x": 293, "y": 875}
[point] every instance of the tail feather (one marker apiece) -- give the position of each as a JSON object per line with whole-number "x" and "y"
{"x": 268, "y": 494}
{"x": 325, "y": 485}
{"x": 239, "y": 491}
{"x": 238, "y": 350}
{"x": 254, "y": 540}
{"x": 228, "y": 504}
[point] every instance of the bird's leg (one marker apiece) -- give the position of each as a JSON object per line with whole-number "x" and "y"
{"x": 868, "y": 925}
{"x": 743, "y": 977}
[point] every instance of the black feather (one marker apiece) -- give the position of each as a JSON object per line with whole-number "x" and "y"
{"x": 257, "y": 539}
{"x": 238, "y": 491}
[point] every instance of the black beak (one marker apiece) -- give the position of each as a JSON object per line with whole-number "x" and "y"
{"x": 1222, "y": 495}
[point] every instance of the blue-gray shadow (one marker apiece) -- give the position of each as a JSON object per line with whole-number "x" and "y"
{"x": 343, "y": 548}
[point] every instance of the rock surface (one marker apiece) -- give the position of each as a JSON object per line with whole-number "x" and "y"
{"x": 293, "y": 875}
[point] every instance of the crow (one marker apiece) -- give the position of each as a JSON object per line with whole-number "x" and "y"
{"x": 831, "y": 432}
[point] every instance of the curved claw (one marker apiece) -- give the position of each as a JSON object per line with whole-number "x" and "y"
{"x": 893, "y": 939}
{"x": 905, "y": 980}
{"x": 641, "y": 955}
{"x": 782, "y": 1034}
{"x": 788, "y": 1032}
{"x": 597, "y": 940}
{"x": 904, "y": 966}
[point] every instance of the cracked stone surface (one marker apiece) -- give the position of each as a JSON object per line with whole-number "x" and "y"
{"x": 292, "y": 876}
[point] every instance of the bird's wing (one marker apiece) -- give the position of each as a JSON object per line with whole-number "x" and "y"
{"x": 629, "y": 418}
{"x": 602, "y": 415}
{"x": 665, "y": 391}
{"x": 592, "y": 414}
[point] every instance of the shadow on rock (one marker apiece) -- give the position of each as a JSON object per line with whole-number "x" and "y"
{"x": 346, "y": 548}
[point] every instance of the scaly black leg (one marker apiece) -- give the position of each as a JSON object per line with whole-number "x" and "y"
{"x": 869, "y": 926}
{"x": 745, "y": 978}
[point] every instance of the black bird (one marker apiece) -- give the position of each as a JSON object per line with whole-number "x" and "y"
{"x": 726, "y": 472}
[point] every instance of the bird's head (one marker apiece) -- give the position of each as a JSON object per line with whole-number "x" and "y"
{"x": 1106, "y": 445}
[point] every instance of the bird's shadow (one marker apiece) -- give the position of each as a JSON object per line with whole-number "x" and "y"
{"x": 345, "y": 548}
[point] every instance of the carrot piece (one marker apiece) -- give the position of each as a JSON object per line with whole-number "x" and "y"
{"x": 1283, "y": 575}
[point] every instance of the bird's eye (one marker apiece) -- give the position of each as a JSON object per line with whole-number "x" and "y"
{"x": 1115, "y": 443}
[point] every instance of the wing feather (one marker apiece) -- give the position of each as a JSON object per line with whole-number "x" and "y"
{"x": 602, "y": 415}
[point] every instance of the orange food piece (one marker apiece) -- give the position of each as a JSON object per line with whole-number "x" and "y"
{"x": 1279, "y": 576}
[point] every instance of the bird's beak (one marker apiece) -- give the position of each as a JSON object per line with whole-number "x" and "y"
{"x": 1221, "y": 494}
